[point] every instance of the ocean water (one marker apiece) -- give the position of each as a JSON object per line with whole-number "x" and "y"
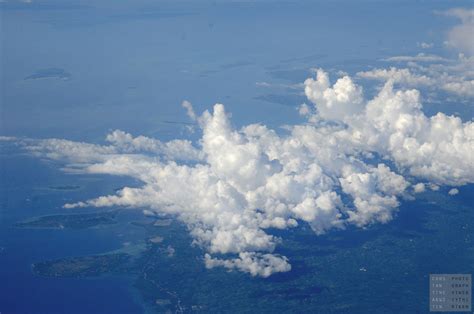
{"x": 24, "y": 194}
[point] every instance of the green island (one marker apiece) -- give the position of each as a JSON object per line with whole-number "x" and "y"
{"x": 71, "y": 221}
{"x": 64, "y": 187}
{"x": 84, "y": 266}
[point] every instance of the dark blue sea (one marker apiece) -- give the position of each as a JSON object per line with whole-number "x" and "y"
{"x": 25, "y": 193}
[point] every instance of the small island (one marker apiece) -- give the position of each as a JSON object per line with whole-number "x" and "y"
{"x": 84, "y": 266}
{"x": 64, "y": 187}
{"x": 50, "y": 73}
{"x": 71, "y": 221}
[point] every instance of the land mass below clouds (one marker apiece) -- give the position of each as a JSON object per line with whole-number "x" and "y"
{"x": 71, "y": 221}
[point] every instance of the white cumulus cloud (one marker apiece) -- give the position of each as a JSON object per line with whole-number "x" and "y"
{"x": 342, "y": 99}
{"x": 233, "y": 185}
{"x": 453, "y": 191}
{"x": 460, "y": 36}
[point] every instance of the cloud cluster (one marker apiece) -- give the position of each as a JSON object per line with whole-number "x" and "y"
{"x": 256, "y": 264}
{"x": 235, "y": 185}
{"x": 453, "y": 76}
{"x": 344, "y": 98}
{"x": 80, "y": 155}
{"x": 453, "y": 192}
{"x": 460, "y": 36}
{"x": 425, "y": 45}
{"x": 437, "y": 148}
{"x": 404, "y": 76}
{"x": 421, "y": 57}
